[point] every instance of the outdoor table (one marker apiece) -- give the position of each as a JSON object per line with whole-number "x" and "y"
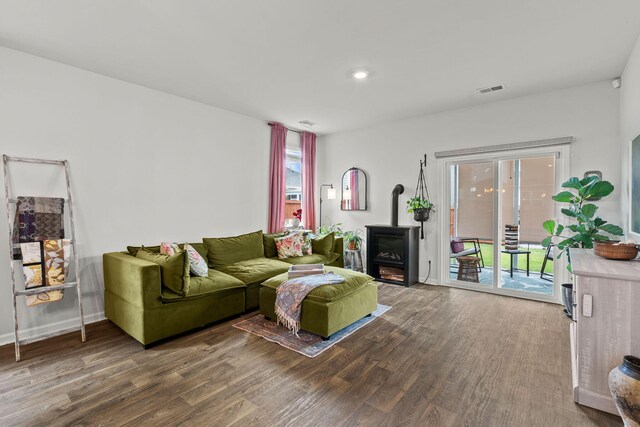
{"x": 516, "y": 252}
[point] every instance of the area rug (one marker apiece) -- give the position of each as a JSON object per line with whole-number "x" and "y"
{"x": 307, "y": 344}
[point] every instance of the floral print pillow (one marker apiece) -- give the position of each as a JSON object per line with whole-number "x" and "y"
{"x": 168, "y": 249}
{"x": 197, "y": 265}
{"x": 306, "y": 244}
{"x": 289, "y": 246}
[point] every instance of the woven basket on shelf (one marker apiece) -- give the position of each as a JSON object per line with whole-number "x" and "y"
{"x": 621, "y": 251}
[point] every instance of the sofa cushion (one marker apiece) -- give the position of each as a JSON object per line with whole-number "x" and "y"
{"x": 255, "y": 270}
{"x": 174, "y": 270}
{"x": 289, "y": 246}
{"x": 197, "y": 264}
{"x": 307, "y": 247}
{"x": 353, "y": 282}
{"x": 215, "y": 281}
{"x": 133, "y": 250}
{"x": 228, "y": 250}
{"x": 269, "y": 242}
{"x": 199, "y": 246}
{"x": 312, "y": 259}
{"x": 323, "y": 245}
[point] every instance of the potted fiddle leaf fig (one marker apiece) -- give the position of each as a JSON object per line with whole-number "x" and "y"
{"x": 585, "y": 229}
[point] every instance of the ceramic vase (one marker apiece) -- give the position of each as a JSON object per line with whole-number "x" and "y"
{"x": 624, "y": 384}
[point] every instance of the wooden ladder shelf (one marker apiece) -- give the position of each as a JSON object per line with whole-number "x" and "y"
{"x": 23, "y": 292}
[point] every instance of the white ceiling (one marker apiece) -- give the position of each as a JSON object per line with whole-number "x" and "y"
{"x": 291, "y": 60}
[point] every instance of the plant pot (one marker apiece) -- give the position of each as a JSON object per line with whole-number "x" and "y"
{"x": 624, "y": 385}
{"x": 567, "y": 299}
{"x": 353, "y": 246}
{"x": 421, "y": 214}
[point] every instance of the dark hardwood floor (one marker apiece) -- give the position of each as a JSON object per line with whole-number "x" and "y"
{"x": 439, "y": 357}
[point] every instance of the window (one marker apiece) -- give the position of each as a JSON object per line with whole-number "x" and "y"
{"x": 293, "y": 196}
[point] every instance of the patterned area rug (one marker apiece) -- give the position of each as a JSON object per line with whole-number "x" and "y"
{"x": 308, "y": 344}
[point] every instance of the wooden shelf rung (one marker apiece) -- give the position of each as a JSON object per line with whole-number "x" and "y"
{"x": 16, "y": 200}
{"x": 17, "y": 245}
{"x": 43, "y": 289}
{"x": 30, "y": 160}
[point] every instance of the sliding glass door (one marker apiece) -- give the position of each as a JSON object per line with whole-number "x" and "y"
{"x": 472, "y": 222}
{"x": 497, "y": 205}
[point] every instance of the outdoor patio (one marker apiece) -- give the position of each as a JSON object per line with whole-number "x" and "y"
{"x": 520, "y": 281}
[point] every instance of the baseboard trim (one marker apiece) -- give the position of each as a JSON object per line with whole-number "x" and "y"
{"x": 43, "y": 330}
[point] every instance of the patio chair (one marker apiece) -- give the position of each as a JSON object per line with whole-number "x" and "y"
{"x": 548, "y": 256}
{"x": 458, "y": 250}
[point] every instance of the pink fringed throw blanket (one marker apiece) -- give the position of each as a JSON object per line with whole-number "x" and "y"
{"x": 290, "y": 294}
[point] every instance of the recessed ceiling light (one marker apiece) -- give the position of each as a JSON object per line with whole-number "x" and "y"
{"x": 360, "y": 74}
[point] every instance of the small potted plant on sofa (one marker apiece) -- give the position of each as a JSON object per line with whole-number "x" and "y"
{"x": 353, "y": 239}
{"x": 420, "y": 207}
{"x": 586, "y": 229}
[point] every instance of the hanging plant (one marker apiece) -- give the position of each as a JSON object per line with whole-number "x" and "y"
{"x": 420, "y": 207}
{"x": 420, "y": 204}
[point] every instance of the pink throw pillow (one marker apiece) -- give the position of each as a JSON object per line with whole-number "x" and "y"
{"x": 457, "y": 245}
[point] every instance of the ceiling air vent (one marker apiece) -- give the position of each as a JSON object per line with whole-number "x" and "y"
{"x": 490, "y": 89}
{"x": 306, "y": 123}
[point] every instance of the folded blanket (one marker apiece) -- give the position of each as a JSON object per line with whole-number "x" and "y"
{"x": 37, "y": 219}
{"x": 45, "y": 264}
{"x": 290, "y": 294}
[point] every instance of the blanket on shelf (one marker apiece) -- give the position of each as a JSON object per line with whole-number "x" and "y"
{"x": 45, "y": 263}
{"x": 37, "y": 219}
{"x": 290, "y": 294}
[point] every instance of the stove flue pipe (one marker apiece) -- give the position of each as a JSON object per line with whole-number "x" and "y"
{"x": 397, "y": 190}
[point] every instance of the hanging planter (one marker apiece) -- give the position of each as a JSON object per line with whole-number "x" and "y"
{"x": 420, "y": 204}
{"x": 421, "y": 214}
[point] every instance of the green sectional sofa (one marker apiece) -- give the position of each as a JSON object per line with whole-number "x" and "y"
{"x": 139, "y": 299}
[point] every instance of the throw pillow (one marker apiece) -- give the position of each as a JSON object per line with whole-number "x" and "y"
{"x": 269, "y": 242}
{"x": 457, "y": 245}
{"x": 169, "y": 249}
{"x": 323, "y": 245}
{"x": 229, "y": 250}
{"x": 174, "y": 270}
{"x": 307, "y": 248}
{"x": 133, "y": 250}
{"x": 289, "y": 246}
{"x": 197, "y": 264}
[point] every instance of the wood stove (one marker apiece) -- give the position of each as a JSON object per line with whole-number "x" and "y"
{"x": 392, "y": 253}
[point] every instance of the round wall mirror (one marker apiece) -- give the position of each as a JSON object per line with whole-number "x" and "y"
{"x": 354, "y": 190}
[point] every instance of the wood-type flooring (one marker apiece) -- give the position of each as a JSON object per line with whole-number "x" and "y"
{"x": 439, "y": 357}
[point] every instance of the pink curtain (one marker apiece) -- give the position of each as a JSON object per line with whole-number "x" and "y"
{"x": 355, "y": 189}
{"x": 277, "y": 177}
{"x": 308, "y": 140}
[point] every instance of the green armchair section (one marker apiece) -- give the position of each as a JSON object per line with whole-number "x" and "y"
{"x": 137, "y": 302}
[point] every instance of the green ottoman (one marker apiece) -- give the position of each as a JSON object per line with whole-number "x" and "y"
{"x": 329, "y": 308}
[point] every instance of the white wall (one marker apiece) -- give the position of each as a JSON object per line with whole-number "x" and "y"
{"x": 629, "y": 119}
{"x": 145, "y": 166}
{"x": 390, "y": 152}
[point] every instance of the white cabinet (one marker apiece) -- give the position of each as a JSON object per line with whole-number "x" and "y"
{"x": 607, "y": 330}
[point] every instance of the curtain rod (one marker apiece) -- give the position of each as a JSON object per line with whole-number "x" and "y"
{"x": 288, "y": 128}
